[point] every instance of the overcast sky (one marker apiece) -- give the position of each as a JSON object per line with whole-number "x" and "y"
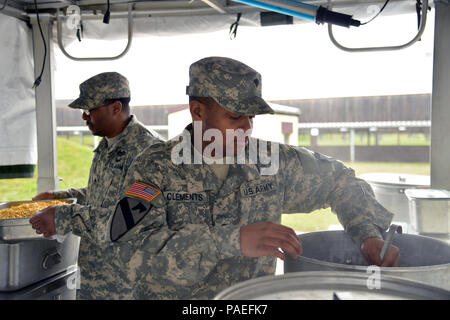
{"x": 296, "y": 61}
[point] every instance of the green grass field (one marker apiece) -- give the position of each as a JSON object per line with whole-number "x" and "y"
{"x": 74, "y": 161}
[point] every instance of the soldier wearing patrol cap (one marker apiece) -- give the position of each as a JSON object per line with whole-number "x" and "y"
{"x": 192, "y": 230}
{"x": 104, "y": 102}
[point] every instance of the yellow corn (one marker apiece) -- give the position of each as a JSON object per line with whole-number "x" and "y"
{"x": 27, "y": 210}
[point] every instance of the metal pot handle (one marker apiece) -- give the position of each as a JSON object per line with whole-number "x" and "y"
{"x": 51, "y": 258}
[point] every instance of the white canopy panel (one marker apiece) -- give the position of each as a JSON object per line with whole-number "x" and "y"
{"x": 17, "y": 103}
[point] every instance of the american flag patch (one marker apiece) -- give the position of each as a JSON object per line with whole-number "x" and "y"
{"x": 144, "y": 191}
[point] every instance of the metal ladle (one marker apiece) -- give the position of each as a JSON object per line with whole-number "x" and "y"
{"x": 388, "y": 240}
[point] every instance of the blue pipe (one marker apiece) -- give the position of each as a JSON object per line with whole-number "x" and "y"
{"x": 302, "y": 4}
{"x": 277, "y": 9}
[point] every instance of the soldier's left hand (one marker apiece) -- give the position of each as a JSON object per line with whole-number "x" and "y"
{"x": 371, "y": 249}
{"x": 44, "y": 222}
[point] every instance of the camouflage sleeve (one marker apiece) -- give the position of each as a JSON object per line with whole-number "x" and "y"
{"x": 315, "y": 181}
{"x": 81, "y": 220}
{"x": 79, "y": 194}
{"x": 182, "y": 256}
{"x": 62, "y": 194}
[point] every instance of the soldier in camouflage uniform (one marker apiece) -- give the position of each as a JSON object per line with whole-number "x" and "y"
{"x": 188, "y": 231}
{"x": 104, "y": 100}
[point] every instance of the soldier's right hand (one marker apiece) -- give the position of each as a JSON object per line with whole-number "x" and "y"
{"x": 47, "y": 195}
{"x": 266, "y": 238}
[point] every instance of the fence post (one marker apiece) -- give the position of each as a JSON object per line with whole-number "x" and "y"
{"x": 352, "y": 145}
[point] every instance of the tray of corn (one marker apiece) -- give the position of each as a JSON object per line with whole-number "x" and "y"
{"x": 15, "y": 217}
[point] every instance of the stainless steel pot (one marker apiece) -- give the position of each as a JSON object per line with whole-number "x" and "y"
{"x": 329, "y": 286}
{"x": 23, "y": 263}
{"x": 20, "y": 229}
{"x": 57, "y": 287}
{"x": 422, "y": 259}
{"x": 429, "y": 211}
{"x": 389, "y": 189}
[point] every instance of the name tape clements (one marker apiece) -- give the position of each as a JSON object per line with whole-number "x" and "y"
{"x": 185, "y": 196}
{"x": 246, "y": 191}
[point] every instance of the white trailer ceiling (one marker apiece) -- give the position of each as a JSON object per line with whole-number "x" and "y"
{"x": 189, "y": 8}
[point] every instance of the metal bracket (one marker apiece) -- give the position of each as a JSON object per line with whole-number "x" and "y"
{"x": 13, "y": 12}
{"x": 388, "y": 48}
{"x": 127, "y": 48}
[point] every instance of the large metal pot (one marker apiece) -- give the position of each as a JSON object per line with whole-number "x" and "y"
{"x": 389, "y": 189}
{"x": 20, "y": 229}
{"x": 421, "y": 258}
{"x": 61, "y": 286}
{"x": 25, "y": 262}
{"x": 429, "y": 211}
{"x": 329, "y": 286}
{"x": 27, "y": 257}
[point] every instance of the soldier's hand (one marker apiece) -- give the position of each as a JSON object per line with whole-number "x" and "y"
{"x": 44, "y": 222}
{"x": 371, "y": 249}
{"x": 47, "y": 195}
{"x": 266, "y": 238}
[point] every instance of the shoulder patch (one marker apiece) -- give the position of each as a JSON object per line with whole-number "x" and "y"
{"x": 129, "y": 212}
{"x": 143, "y": 191}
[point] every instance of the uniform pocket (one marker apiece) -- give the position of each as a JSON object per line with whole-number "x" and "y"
{"x": 109, "y": 188}
{"x": 186, "y": 258}
{"x": 260, "y": 200}
{"x": 187, "y": 208}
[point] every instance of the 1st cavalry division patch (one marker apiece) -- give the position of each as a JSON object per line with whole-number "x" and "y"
{"x": 130, "y": 210}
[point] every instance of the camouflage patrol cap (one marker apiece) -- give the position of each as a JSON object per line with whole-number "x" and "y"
{"x": 95, "y": 90}
{"x": 234, "y": 85}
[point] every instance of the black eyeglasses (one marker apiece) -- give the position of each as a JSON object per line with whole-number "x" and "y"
{"x": 88, "y": 112}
